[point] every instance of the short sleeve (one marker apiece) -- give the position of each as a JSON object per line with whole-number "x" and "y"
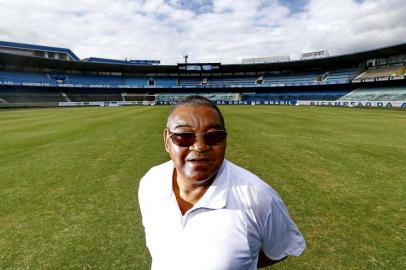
{"x": 281, "y": 237}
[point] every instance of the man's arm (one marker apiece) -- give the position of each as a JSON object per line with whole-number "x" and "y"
{"x": 264, "y": 261}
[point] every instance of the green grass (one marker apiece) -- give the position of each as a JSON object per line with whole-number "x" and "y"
{"x": 69, "y": 179}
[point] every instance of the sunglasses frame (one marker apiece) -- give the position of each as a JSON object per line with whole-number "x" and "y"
{"x": 171, "y": 133}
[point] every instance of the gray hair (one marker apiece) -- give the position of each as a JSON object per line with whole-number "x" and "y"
{"x": 195, "y": 101}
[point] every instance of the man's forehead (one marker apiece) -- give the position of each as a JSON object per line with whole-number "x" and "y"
{"x": 186, "y": 116}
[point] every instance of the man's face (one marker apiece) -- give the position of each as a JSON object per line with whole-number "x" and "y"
{"x": 200, "y": 161}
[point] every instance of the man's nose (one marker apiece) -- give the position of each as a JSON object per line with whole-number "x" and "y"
{"x": 200, "y": 144}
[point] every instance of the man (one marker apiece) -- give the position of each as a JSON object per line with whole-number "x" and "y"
{"x": 201, "y": 211}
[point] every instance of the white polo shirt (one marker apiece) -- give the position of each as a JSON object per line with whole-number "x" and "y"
{"x": 237, "y": 217}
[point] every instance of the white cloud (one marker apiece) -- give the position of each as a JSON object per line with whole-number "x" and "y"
{"x": 225, "y": 29}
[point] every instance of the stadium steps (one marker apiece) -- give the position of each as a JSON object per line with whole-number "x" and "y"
{"x": 65, "y": 96}
{"x": 359, "y": 76}
{"x": 323, "y": 77}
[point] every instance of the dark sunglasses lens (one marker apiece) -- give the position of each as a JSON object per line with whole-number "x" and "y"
{"x": 183, "y": 139}
{"x": 214, "y": 137}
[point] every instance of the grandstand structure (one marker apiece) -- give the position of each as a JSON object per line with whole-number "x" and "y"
{"x": 32, "y": 75}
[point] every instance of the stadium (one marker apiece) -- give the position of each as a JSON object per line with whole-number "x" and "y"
{"x": 77, "y": 133}
{"x": 35, "y": 75}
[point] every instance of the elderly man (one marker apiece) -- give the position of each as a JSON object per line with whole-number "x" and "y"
{"x": 201, "y": 211}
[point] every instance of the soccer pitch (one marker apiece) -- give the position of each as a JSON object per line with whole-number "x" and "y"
{"x": 69, "y": 180}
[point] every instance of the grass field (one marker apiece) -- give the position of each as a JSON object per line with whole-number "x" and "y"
{"x": 69, "y": 179}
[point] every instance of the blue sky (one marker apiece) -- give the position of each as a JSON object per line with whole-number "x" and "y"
{"x": 294, "y": 5}
{"x": 208, "y": 30}
{"x": 206, "y": 6}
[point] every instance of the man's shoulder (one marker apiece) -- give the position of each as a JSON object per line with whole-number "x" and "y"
{"x": 250, "y": 187}
{"x": 240, "y": 175}
{"x": 161, "y": 169}
{"x": 155, "y": 177}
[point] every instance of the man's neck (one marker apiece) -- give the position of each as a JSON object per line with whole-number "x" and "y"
{"x": 187, "y": 193}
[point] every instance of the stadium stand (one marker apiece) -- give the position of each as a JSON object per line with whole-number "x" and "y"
{"x": 292, "y": 95}
{"x": 166, "y": 82}
{"x": 382, "y": 73}
{"x": 138, "y": 97}
{"x": 81, "y": 80}
{"x": 135, "y": 81}
{"x": 275, "y": 80}
{"x": 376, "y": 94}
{"x": 29, "y": 95}
{"x": 232, "y": 81}
{"x": 173, "y": 97}
{"x": 95, "y": 80}
{"x": 188, "y": 81}
{"x": 341, "y": 76}
{"x": 31, "y": 74}
{"x": 291, "y": 79}
{"x": 19, "y": 78}
{"x": 80, "y": 95}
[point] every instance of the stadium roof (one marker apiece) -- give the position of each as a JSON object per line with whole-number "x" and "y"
{"x": 334, "y": 61}
{"x": 122, "y": 62}
{"x": 338, "y": 60}
{"x": 39, "y": 62}
{"x": 15, "y": 45}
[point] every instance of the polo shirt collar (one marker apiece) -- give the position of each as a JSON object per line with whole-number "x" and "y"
{"x": 215, "y": 196}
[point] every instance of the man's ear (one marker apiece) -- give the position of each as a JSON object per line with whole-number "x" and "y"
{"x": 166, "y": 138}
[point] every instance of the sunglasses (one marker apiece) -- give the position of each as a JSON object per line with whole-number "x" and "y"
{"x": 186, "y": 139}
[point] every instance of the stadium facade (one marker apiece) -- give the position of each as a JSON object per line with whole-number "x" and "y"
{"x": 32, "y": 75}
